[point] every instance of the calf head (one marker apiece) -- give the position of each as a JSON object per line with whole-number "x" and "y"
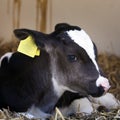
{"x": 73, "y": 59}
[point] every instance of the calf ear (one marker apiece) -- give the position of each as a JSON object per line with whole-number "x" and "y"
{"x": 61, "y": 26}
{"x": 38, "y": 37}
{"x": 22, "y": 34}
{"x": 65, "y": 27}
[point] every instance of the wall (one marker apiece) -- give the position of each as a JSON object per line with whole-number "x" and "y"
{"x": 99, "y": 18}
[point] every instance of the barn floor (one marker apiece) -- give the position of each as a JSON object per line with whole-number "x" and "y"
{"x": 111, "y": 67}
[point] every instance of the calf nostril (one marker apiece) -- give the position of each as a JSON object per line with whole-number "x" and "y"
{"x": 105, "y": 88}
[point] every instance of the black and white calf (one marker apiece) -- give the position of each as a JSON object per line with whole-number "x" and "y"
{"x": 65, "y": 70}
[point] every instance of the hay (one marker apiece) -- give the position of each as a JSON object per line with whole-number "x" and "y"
{"x": 110, "y": 65}
{"x": 5, "y": 114}
{"x": 8, "y": 47}
{"x": 114, "y": 114}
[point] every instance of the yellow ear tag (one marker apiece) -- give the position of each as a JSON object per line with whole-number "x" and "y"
{"x": 28, "y": 47}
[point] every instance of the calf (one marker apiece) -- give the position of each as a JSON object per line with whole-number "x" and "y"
{"x": 66, "y": 69}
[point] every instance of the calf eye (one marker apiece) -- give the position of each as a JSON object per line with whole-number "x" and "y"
{"x": 72, "y": 58}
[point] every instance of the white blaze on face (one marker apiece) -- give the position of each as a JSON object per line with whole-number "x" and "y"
{"x": 81, "y": 38}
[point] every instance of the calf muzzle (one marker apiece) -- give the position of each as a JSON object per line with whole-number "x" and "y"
{"x": 103, "y": 82}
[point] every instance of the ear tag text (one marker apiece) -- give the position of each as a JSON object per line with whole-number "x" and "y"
{"x": 28, "y": 47}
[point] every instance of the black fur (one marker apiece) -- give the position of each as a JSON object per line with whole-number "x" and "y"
{"x": 21, "y": 78}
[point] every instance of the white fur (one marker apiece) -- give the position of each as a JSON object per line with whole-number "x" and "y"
{"x": 90, "y": 105}
{"x": 58, "y": 88}
{"x": 35, "y": 113}
{"x": 7, "y": 55}
{"x": 85, "y": 106}
{"x": 83, "y": 40}
{"x": 103, "y": 82}
{"x": 82, "y": 105}
{"x": 108, "y": 100}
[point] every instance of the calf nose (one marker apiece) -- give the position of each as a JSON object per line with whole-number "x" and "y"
{"x": 102, "y": 81}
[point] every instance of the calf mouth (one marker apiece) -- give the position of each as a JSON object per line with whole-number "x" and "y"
{"x": 98, "y": 92}
{"x": 100, "y": 87}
